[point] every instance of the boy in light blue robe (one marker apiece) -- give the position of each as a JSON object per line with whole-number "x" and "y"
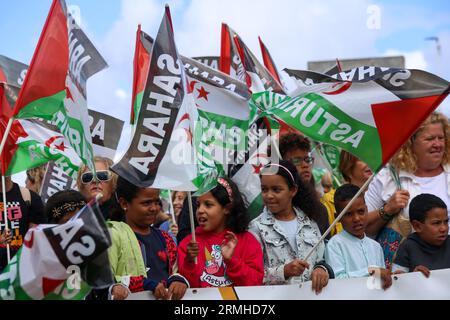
{"x": 351, "y": 253}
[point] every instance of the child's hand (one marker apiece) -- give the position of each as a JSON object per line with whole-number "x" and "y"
{"x": 295, "y": 268}
{"x": 6, "y": 237}
{"x": 177, "y": 290}
{"x": 192, "y": 251}
{"x": 228, "y": 245}
{"x": 174, "y": 228}
{"x": 160, "y": 292}
{"x": 426, "y": 272}
{"x": 386, "y": 278}
{"x": 319, "y": 279}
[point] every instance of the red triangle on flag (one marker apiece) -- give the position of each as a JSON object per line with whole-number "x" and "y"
{"x": 396, "y": 121}
{"x": 48, "y": 285}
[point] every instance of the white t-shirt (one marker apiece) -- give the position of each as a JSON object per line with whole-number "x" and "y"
{"x": 290, "y": 229}
{"x": 435, "y": 185}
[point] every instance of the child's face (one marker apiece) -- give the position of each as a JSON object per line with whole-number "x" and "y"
{"x": 355, "y": 220}
{"x": 277, "y": 196}
{"x": 434, "y": 230}
{"x": 211, "y": 215}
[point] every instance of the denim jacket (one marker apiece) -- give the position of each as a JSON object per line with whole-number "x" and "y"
{"x": 277, "y": 250}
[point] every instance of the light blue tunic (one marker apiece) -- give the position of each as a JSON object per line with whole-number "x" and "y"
{"x": 351, "y": 257}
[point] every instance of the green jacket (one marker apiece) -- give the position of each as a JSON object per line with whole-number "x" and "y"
{"x": 125, "y": 253}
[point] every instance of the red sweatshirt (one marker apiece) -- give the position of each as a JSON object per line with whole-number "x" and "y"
{"x": 245, "y": 268}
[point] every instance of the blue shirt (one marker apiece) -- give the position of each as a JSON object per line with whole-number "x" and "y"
{"x": 351, "y": 257}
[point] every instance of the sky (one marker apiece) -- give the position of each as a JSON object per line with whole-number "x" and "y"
{"x": 295, "y": 32}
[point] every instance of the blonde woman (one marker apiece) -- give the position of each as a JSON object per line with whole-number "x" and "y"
{"x": 34, "y": 178}
{"x": 103, "y": 182}
{"x": 420, "y": 166}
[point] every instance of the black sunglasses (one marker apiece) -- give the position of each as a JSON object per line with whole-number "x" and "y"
{"x": 102, "y": 176}
{"x": 298, "y": 161}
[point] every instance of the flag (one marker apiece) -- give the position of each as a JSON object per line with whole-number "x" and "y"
{"x": 141, "y": 64}
{"x": 37, "y": 143}
{"x": 368, "y": 111}
{"x": 12, "y": 74}
{"x": 337, "y": 68}
{"x": 257, "y": 76}
{"x": 268, "y": 61}
{"x": 60, "y": 262}
{"x": 230, "y": 60}
{"x": 211, "y": 61}
{"x": 161, "y": 154}
{"x": 222, "y": 104}
{"x": 55, "y": 86}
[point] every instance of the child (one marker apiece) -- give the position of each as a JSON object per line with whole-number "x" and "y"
{"x": 142, "y": 257}
{"x": 287, "y": 228}
{"x": 351, "y": 253}
{"x": 63, "y": 205}
{"x": 227, "y": 255}
{"x": 428, "y": 248}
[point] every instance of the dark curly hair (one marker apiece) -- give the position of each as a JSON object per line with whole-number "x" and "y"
{"x": 62, "y": 203}
{"x": 306, "y": 197}
{"x": 293, "y": 141}
{"x": 126, "y": 190}
{"x": 238, "y": 219}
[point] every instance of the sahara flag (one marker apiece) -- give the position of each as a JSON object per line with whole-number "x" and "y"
{"x": 268, "y": 62}
{"x": 141, "y": 66}
{"x": 211, "y": 61}
{"x": 230, "y": 60}
{"x": 12, "y": 75}
{"x": 60, "y": 262}
{"x": 369, "y": 112}
{"x": 162, "y": 154}
{"x": 222, "y": 103}
{"x": 257, "y": 76}
{"x": 38, "y": 143}
{"x": 55, "y": 86}
{"x": 32, "y": 143}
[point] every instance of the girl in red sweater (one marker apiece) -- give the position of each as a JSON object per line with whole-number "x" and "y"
{"x": 227, "y": 254}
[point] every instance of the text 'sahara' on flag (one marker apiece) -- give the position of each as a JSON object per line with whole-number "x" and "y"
{"x": 162, "y": 153}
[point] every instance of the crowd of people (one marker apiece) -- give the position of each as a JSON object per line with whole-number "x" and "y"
{"x": 399, "y": 224}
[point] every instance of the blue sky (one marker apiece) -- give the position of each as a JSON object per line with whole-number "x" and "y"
{"x": 295, "y": 31}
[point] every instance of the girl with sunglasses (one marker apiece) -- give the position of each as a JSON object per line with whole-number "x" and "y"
{"x": 104, "y": 182}
{"x": 287, "y": 228}
{"x": 225, "y": 253}
{"x": 142, "y": 257}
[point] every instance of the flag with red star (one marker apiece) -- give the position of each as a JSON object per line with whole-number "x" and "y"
{"x": 54, "y": 88}
{"x": 38, "y": 142}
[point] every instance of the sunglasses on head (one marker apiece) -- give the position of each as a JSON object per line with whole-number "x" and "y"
{"x": 101, "y": 176}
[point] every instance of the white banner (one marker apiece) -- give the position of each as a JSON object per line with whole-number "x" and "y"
{"x": 409, "y": 286}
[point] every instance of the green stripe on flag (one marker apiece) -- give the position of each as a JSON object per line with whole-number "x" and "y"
{"x": 321, "y": 120}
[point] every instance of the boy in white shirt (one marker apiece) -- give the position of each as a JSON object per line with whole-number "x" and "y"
{"x": 351, "y": 253}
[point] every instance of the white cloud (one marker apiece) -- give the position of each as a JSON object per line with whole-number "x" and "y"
{"x": 413, "y": 60}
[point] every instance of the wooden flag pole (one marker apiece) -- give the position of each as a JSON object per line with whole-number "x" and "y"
{"x": 360, "y": 191}
{"x": 5, "y": 215}
{"x": 191, "y": 216}
{"x": 172, "y": 211}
